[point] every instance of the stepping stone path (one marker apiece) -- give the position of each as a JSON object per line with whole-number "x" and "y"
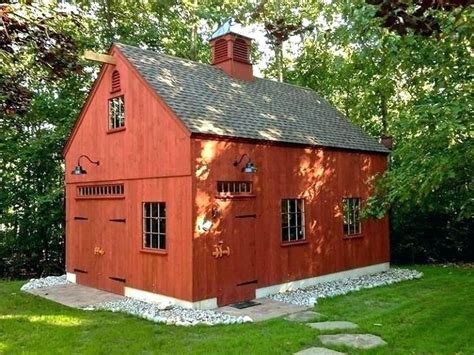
{"x": 337, "y": 325}
{"x": 318, "y": 351}
{"x": 305, "y": 316}
{"x": 358, "y": 341}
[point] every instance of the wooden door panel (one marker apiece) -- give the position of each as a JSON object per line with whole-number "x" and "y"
{"x": 236, "y": 272}
{"x": 86, "y": 267}
{"x": 98, "y": 231}
{"x": 113, "y": 237}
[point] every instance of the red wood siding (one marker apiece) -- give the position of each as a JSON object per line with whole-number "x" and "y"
{"x": 154, "y": 142}
{"x": 151, "y": 157}
{"x": 321, "y": 176}
{"x": 156, "y": 160}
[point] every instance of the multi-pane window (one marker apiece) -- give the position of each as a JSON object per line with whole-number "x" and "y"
{"x": 351, "y": 211}
{"x": 116, "y": 112}
{"x": 154, "y": 225}
{"x": 292, "y": 220}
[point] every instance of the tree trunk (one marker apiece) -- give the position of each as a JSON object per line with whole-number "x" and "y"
{"x": 193, "y": 53}
{"x": 384, "y": 114}
{"x": 279, "y": 61}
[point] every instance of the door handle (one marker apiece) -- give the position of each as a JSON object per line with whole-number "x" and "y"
{"x": 99, "y": 251}
{"x": 219, "y": 251}
{"x": 226, "y": 251}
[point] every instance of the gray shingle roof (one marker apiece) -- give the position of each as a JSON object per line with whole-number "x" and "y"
{"x": 210, "y": 102}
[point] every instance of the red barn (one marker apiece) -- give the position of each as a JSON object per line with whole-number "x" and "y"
{"x": 204, "y": 186}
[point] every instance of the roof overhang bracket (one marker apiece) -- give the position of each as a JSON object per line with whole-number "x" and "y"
{"x": 101, "y": 58}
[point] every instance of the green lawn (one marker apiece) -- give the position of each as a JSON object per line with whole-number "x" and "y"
{"x": 434, "y": 315}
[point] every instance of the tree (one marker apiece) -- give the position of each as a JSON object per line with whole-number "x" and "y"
{"x": 281, "y": 21}
{"x": 417, "y": 15}
{"x": 40, "y": 71}
{"x": 417, "y": 89}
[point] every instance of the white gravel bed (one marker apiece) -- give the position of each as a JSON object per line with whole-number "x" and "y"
{"x": 44, "y": 282}
{"x": 309, "y": 296}
{"x": 159, "y": 313}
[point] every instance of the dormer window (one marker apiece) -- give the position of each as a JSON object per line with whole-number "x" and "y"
{"x": 116, "y": 113}
{"x": 115, "y": 81}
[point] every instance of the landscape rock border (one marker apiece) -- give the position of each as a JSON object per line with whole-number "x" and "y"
{"x": 310, "y": 295}
{"x": 171, "y": 315}
{"x": 49, "y": 281}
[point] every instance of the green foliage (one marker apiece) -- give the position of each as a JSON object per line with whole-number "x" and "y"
{"x": 402, "y": 314}
{"x": 40, "y": 61}
{"x": 418, "y": 90}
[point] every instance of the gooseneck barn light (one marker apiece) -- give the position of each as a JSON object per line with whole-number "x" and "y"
{"x": 249, "y": 168}
{"x": 79, "y": 170}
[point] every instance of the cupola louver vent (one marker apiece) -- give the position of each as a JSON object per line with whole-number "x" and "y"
{"x": 241, "y": 50}
{"x": 220, "y": 50}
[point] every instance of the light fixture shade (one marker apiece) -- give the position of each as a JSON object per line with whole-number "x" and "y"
{"x": 249, "y": 168}
{"x": 79, "y": 170}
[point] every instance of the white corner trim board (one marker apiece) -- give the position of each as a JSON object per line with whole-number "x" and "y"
{"x": 293, "y": 285}
{"x": 146, "y": 296}
{"x": 71, "y": 277}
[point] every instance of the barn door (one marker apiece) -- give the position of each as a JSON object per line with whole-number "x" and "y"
{"x": 110, "y": 243}
{"x": 236, "y": 266}
{"x": 100, "y": 228}
{"x": 84, "y": 234}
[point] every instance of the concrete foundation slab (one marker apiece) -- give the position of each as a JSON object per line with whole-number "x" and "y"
{"x": 74, "y": 295}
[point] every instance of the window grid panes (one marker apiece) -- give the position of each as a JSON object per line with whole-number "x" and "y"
{"x": 154, "y": 225}
{"x": 351, "y": 211}
{"x": 116, "y": 112}
{"x": 292, "y": 220}
{"x": 234, "y": 187}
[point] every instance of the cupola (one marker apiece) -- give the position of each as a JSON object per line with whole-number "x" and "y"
{"x": 231, "y": 52}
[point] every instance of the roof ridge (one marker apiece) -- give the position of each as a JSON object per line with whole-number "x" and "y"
{"x": 165, "y": 54}
{"x": 211, "y": 66}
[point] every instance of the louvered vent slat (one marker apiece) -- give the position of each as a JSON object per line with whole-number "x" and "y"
{"x": 241, "y": 50}
{"x": 115, "y": 81}
{"x": 100, "y": 190}
{"x": 220, "y": 50}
